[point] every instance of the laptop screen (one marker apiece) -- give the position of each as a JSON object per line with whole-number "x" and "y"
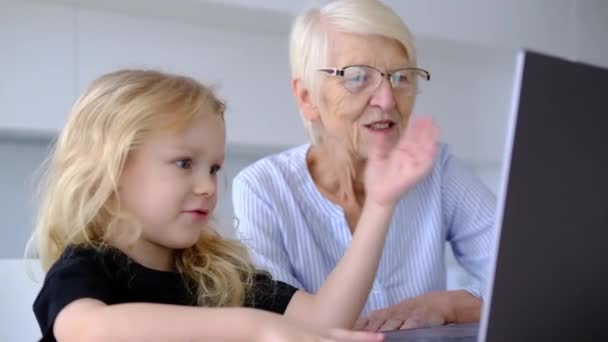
{"x": 551, "y": 271}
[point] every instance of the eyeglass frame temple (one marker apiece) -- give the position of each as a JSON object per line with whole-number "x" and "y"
{"x": 333, "y": 71}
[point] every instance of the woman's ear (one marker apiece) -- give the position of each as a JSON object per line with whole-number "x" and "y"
{"x": 304, "y": 100}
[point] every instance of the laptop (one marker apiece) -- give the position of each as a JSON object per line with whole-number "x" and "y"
{"x": 549, "y": 281}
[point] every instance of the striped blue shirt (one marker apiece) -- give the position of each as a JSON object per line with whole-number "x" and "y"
{"x": 298, "y": 235}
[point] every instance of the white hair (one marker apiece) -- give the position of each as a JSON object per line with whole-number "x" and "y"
{"x": 309, "y": 39}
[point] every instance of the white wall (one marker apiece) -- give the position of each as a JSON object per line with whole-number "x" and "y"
{"x": 21, "y": 281}
{"x": 56, "y": 58}
{"x": 592, "y": 31}
{"x": 21, "y": 160}
{"x": 545, "y": 25}
{"x": 37, "y": 65}
{"x": 54, "y": 51}
{"x": 542, "y": 24}
{"x": 250, "y": 69}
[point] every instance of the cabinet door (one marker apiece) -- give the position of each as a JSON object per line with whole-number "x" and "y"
{"x": 248, "y": 69}
{"x": 37, "y": 65}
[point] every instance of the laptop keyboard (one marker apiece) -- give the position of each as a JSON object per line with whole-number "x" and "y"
{"x": 431, "y": 339}
{"x": 446, "y": 333}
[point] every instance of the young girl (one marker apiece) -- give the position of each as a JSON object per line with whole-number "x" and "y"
{"x": 124, "y": 234}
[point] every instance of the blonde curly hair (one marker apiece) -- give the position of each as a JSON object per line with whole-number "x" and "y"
{"x": 79, "y": 204}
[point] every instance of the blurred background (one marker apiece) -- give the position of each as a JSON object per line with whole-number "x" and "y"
{"x": 51, "y": 50}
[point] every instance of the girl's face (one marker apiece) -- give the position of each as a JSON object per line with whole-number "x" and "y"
{"x": 169, "y": 184}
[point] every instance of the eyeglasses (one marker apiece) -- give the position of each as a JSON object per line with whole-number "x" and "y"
{"x": 363, "y": 78}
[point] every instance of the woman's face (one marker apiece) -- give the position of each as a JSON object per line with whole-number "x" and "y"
{"x": 355, "y": 113}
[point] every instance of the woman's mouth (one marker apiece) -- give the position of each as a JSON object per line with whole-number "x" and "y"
{"x": 383, "y": 126}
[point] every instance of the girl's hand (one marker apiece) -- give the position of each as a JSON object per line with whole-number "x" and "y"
{"x": 282, "y": 329}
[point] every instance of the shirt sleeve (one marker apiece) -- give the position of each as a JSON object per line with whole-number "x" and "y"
{"x": 74, "y": 276}
{"x": 271, "y": 295}
{"x": 260, "y": 229}
{"x": 469, "y": 209}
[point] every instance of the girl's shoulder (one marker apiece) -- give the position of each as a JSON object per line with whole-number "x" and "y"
{"x": 90, "y": 259}
{"x": 80, "y": 272}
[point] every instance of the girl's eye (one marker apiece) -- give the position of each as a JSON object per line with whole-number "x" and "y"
{"x": 215, "y": 169}
{"x": 185, "y": 163}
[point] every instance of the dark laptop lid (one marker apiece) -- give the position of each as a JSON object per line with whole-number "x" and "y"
{"x": 551, "y": 272}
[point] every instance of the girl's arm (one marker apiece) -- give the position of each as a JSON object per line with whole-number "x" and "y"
{"x": 340, "y": 299}
{"x": 92, "y": 320}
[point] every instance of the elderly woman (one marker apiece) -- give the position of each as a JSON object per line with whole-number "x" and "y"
{"x": 354, "y": 78}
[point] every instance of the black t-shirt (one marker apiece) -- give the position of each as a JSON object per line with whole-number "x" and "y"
{"x": 113, "y": 278}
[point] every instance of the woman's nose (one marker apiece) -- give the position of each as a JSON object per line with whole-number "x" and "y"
{"x": 383, "y": 96}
